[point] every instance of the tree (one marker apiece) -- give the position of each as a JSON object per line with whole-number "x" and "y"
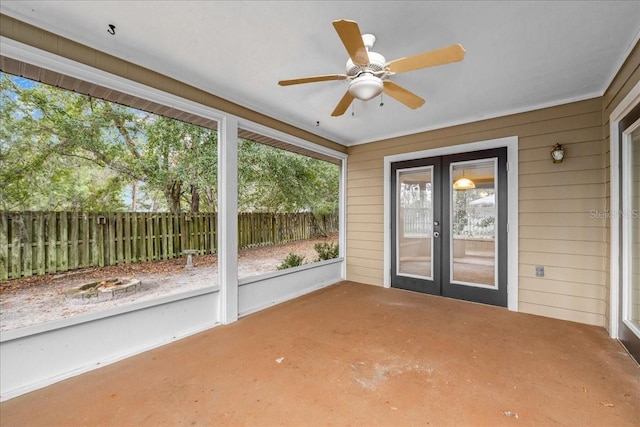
{"x": 181, "y": 159}
{"x": 62, "y": 150}
{"x": 40, "y": 164}
{"x": 275, "y": 180}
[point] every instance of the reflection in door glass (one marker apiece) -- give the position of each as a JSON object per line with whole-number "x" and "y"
{"x": 473, "y": 222}
{"x": 414, "y": 222}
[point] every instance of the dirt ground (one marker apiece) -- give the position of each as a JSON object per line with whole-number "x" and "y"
{"x": 38, "y": 299}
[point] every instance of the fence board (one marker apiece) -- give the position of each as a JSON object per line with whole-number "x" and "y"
{"x": 149, "y": 237}
{"x": 170, "y": 248}
{"x": 135, "y": 253}
{"x": 63, "y": 245}
{"x": 16, "y": 265}
{"x": 4, "y": 246}
{"x": 39, "y": 236}
{"x": 49, "y": 242}
{"x": 111, "y": 242}
{"x": 27, "y": 246}
{"x": 127, "y": 238}
{"x": 74, "y": 260}
{"x": 119, "y": 238}
{"x": 86, "y": 242}
{"x": 164, "y": 217}
{"x": 51, "y": 230}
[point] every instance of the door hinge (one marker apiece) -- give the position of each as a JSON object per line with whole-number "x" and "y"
{"x": 507, "y": 166}
{"x": 507, "y": 227}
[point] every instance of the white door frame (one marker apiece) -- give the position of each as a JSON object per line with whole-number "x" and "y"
{"x": 511, "y": 143}
{"x": 620, "y": 112}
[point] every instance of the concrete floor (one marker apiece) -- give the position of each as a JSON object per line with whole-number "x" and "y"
{"x": 358, "y": 355}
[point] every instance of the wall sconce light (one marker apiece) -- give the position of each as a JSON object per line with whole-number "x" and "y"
{"x": 557, "y": 153}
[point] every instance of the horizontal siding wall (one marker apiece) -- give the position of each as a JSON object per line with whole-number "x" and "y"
{"x": 559, "y": 225}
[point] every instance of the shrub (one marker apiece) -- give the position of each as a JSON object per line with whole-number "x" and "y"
{"x": 292, "y": 260}
{"x": 326, "y": 251}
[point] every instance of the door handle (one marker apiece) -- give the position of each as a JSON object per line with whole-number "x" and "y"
{"x": 436, "y": 234}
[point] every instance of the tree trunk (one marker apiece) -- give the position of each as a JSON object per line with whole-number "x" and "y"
{"x": 134, "y": 196}
{"x": 195, "y": 199}
{"x": 173, "y": 193}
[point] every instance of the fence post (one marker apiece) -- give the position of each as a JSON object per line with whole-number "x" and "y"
{"x": 51, "y": 231}
{"x": 74, "y": 262}
{"x": 127, "y": 238}
{"x": 149, "y": 242}
{"x": 27, "y": 238}
{"x": 63, "y": 259}
{"x": 214, "y": 233}
{"x": 4, "y": 246}
{"x": 86, "y": 244}
{"x": 111, "y": 239}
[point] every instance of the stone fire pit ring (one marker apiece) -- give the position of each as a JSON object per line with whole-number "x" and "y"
{"x": 103, "y": 290}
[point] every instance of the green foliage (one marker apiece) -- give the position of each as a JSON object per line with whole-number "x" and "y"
{"x": 275, "y": 180}
{"x": 486, "y": 222}
{"x": 60, "y": 150}
{"x": 326, "y": 250}
{"x": 460, "y": 215}
{"x": 48, "y": 144}
{"x": 292, "y": 260}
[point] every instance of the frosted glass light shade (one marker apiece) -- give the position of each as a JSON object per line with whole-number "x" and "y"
{"x": 365, "y": 86}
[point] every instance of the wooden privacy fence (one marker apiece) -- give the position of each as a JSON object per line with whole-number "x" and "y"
{"x": 35, "y": 243}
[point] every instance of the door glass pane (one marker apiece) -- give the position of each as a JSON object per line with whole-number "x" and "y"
{"x": 631, "y": 230}
{"x": 473, "y": 222}
{"x": 415, "y": 222}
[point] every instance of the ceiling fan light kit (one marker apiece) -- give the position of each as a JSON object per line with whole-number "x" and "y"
{"x": 369, "y": 72}
{"x": 366, "y": 86}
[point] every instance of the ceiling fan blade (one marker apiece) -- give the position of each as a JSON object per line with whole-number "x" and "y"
{"x": 446, "y": 55}
{"x": 313, "y": 79}
{"x": 349, "y": 33}
{"x": 343, "y": 105}
{"x": 401, "y": 94}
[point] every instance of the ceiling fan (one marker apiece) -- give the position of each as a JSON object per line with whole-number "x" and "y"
{"x": 368, "y": 71}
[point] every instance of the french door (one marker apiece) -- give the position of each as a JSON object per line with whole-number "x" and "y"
{"x": 629, "y": 324}
{"x": 449, "y": 226}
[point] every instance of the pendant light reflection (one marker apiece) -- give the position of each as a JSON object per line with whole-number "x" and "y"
{"x": 464, "y": 184}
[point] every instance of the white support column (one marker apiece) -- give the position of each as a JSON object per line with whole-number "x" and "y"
{"x": 228, "y": 219}
{"x": 342, "y": 226}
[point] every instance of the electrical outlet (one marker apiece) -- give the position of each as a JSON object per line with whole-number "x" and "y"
{"x": 539, "y": 271}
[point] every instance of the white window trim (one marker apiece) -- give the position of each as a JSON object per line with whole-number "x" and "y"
{"x": 620, "y": 112}
{"x": 511, "y": 143}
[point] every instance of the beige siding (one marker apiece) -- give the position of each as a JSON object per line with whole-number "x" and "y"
{"x": 557, "y": 229}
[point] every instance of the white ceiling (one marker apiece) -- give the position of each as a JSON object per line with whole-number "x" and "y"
{"x": 520, "y": 55}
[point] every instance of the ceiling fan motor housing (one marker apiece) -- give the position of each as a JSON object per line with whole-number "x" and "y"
{"x": 367, "y": 82}
{"x": 376, "y": 64}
